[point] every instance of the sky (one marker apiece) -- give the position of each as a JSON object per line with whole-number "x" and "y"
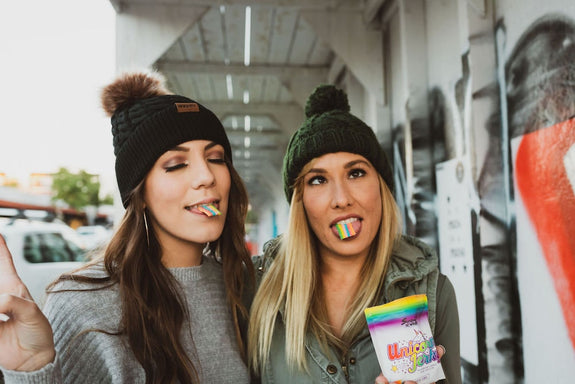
{"x": 55, "y": 56}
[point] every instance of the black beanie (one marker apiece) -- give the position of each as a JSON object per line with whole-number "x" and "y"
{"x": 147, "y": 121}
{"x": 330, "y": 128}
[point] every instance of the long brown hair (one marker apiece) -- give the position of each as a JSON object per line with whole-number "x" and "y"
{"x": 153, "y": 309}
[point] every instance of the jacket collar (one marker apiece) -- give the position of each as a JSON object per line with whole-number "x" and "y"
{"x": 411, "y": 260}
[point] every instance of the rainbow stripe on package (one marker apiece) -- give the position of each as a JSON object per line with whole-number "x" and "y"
{"x": 403, "y": 341}
{"x": 345, "y": 230}
{"x": 209, "y": 210}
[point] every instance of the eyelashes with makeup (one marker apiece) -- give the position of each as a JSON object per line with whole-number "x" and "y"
{"x": 175, "y": 167}
{"x": 357, "y": 172}
{"x": 183, "y": 165}
{"x": 353, "y": 174}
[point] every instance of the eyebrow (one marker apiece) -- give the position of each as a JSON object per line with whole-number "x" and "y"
{"x": 346, "y": 166}
{"x": 180, "y": 148}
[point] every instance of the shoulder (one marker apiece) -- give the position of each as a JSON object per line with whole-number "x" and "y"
{"x": 445, "y": 293}
{"x": 211, "y": 267}
{"x": 410, "y": 253}
{"x": 413, "y": 269}
{"x": 412, "y": 249}
{"x": 263, "y": 262}
{"x": 81, "y": 302}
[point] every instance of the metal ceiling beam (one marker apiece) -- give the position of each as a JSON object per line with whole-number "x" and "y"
{"x": 372, "y": 13}
{"x": 349, "y": 38}
{"x": 288, "y": 116}
{"x": 297, "y": 4}
{"x": 281, "y": 71}
{"x": 225, "y": 108}
{"x": 265, "y": 134}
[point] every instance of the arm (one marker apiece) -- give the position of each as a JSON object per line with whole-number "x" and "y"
{"x": 447, "y": 329}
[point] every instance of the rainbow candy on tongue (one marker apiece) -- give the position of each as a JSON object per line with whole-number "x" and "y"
{"x": 345, "y": 230}
{"x": 209, "y": 210}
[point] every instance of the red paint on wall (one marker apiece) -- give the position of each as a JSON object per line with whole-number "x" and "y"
{"x": 550, "y": 203}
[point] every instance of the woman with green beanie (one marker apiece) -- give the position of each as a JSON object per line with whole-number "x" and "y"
{"x": 341, "y": 254}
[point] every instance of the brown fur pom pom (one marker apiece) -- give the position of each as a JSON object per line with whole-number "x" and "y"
{"x": 130, "y": 87}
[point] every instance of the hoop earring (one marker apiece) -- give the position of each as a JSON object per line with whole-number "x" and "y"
{"x": 147, "y": 231}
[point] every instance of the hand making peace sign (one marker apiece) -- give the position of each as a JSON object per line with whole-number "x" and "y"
{"x": 26, "y": 341}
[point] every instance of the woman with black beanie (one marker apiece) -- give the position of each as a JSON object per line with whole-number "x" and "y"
{"x": 163, "y": 303}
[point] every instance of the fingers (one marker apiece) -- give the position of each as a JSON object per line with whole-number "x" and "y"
{"x": 26, "y": 339}
{"x": 6, "y": 263}
{"x": 441, "y": 351}
{"x": 12, "y": 306}
{"x": 8, "y": 275}
{"x": 381, "y": 379}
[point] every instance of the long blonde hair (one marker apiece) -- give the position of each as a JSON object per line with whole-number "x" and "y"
{"x": 292, "y": 286}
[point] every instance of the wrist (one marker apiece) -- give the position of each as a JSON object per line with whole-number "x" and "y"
{"x": 38, "y": 361}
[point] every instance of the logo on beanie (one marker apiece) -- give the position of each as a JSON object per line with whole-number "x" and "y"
{"x": 187, "y": 107}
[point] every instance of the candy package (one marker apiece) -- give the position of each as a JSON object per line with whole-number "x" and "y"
{"x": 403, "y": 341}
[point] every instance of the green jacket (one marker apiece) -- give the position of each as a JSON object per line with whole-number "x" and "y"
{"x": 413, "y": 270}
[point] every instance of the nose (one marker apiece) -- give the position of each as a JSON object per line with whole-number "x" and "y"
{"x": 202, "y": 175}
{"x": 340, "y": 195}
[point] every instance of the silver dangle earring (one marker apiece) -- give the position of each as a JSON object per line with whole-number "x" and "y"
{"x": 146, "y": 225}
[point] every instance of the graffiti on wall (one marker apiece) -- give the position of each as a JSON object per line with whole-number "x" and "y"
{"x": 540, "y": 96}
{"x": 544, "y": 174}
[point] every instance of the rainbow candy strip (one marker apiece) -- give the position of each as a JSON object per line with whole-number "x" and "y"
{"x": 345, "y": 230}
{"x": 209, "y": 210}
{"x": 397, "y": 311}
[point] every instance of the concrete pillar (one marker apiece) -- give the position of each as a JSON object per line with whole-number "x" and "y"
{"x": 361, "y": 49}
{"x": 145, "y": 32}
{"x": 418, "y": 154}
{"x": 301, "y": 88}
{"x": 355, "y": 95}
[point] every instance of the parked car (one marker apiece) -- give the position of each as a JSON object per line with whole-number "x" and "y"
{"x": 94, "y": 236}
{"x": 41, "y": 251}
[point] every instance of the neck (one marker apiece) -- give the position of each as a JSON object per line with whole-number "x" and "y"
{"x": 340, "y": 267}
{"x": 182, "y": 255}
{"x": 340, "y": 281}
{"x": 342, "y": 275}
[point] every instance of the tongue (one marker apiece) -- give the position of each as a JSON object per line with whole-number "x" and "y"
{"x": 356, "y": 226}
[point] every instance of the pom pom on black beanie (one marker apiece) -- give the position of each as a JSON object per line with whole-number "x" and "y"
{"x": 147, "y": 121}
{"x": 330, "y": 128}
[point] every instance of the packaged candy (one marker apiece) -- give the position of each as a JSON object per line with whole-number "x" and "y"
{"x": 403, "y": 341}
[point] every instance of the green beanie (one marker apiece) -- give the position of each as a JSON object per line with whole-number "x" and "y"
{"x": 330, "y": 128}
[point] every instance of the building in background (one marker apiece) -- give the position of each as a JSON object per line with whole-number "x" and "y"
{"x": 473, "y": 100}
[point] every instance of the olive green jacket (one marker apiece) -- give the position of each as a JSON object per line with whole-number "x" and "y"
{"x": 413, "y": 270}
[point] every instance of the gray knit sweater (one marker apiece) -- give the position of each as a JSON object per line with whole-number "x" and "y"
{"x": 95, "y": 357}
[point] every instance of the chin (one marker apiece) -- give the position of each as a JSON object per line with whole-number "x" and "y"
{"x": 211, "y": 236}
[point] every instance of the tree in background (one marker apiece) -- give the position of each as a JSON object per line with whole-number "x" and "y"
{"x": 78, "y": 190}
